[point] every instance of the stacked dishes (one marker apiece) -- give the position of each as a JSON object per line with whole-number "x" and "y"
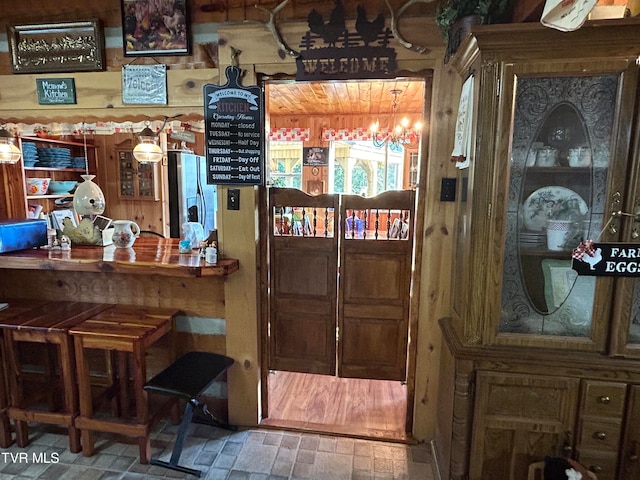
{"x": 54, "y": 157}
{"x": 78, "y": 162}
{"x": 29, "y": 154}
{"x": 530, "y": 239}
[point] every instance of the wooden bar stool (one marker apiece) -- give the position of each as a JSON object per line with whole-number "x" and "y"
{"x": 13, "y": 308}
{"x": 126, "y": 330}
{"x": 45, "y": 323}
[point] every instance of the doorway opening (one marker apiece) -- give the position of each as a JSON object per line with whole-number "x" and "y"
{"x": 364, "y": 396}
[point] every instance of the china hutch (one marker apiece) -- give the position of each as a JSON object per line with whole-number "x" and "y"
{"x": 538, "y": 360}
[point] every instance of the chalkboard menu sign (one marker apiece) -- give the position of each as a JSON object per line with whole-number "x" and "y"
{"x": 234, "y": 118}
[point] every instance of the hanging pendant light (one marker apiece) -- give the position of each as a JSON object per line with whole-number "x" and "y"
{"x": 148, "y": 150}
{"x": 9, "y": 153}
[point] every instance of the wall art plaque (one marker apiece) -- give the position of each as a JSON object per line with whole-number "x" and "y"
{"x": 57, "y": 47}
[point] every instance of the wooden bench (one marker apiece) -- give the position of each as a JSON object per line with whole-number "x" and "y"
{"x": 187, "y": 378}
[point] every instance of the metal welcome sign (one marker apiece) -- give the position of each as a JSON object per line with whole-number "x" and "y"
{"x": 345, "y": 55}
{"x": 144, "y": 84}
{"x": 607, "y": 259}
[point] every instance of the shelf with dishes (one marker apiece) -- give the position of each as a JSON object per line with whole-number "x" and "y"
{"x": 52, "y": 168}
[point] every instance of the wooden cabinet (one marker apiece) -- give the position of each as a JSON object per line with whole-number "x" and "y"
{"x": 55, "y": 159}
{"x": 136, "y": 181}
{"x": 630, "y": 450}
{"x": 519, "y": 413}
{"x": 555, "y": 144}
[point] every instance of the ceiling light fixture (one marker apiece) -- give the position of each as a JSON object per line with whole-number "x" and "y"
{"x": 9, "y": 153}
{"x": 148, "y": 150}
{"x": 402, "y": 134}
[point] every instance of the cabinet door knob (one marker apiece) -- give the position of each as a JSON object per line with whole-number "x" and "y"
{"x": 633, "y": 458}
{"x": 604, "y": 399}
{"x": 600, "y": 435}
{"x": 595, "y": 468}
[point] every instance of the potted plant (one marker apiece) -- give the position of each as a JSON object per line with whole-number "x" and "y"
{"x": 565, "y": 224}
{"x": 455, "y": 18}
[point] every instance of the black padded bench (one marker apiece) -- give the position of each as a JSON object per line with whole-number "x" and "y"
{"x": 187, "y": 378}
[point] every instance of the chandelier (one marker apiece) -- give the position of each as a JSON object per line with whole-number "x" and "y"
{"x": 403, "y": 134}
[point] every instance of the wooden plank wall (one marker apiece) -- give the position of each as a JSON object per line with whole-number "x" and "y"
{"x": 108, "y": 11}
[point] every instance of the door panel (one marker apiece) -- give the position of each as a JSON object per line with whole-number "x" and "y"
{"x": 366, "y": 298}
{"x": 303, "y": 282}
{"x": 375, "y": 280}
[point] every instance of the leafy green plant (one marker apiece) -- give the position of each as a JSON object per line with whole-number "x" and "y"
{"x": 485, "y": 11}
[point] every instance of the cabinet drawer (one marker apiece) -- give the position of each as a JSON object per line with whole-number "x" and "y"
{"x": 603, "y": 399}
{"x": 599, "y": 434}
{"x": 602, "y": 464}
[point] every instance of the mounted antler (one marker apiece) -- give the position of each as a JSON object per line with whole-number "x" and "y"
{"x": 394, "y": 25}
{"x": 271, "y": 25}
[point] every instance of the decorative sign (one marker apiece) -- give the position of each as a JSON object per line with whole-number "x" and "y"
{"x": 144, "y": 84}
{"x": 56, "y": 91}
{"x": 234, "y": 119}
{"x": 315, "y": 156}
{"x": 607, "y": 259}
{"x": 56, "y": 47}
{"x": 183, "y": 136}
{"x": 363, "y": 54}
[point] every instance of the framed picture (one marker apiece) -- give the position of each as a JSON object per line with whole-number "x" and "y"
{"x": 155, "y": 28}
{"x": 59, "y": 217}
{"x": 57, "y": 47}
{"x": 315, "y": 156}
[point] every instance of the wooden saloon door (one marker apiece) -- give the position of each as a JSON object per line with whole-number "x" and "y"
{"x": 340, "y": 278}
{"x": 303, "y": 283}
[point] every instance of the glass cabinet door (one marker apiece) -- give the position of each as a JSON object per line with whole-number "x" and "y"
{"x": 563, "y": 170}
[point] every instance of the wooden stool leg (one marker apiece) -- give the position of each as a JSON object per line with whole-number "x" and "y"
{"x": 69, "y": 388}
{"x": 142, "y": 400}
{"x": 5, "y": 425}
{"x": 84, "y": 395}
{"x": 15, "y": 389}
{"x": 50, "y": 376}
{"x": 123, "y": 385}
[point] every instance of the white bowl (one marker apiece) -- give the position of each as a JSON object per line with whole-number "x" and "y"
{"x": 37, "y": 186}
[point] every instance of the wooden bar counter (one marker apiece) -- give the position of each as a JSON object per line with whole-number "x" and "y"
{"x": 148, "y": 256}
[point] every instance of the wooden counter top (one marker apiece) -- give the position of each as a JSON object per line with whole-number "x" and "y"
{"x": 148, "y": 256}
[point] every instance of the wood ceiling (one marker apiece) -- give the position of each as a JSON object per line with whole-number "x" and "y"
{"x": 344, "y": 98}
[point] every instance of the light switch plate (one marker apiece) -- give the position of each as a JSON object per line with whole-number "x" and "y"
{"x": 233, "y": 199}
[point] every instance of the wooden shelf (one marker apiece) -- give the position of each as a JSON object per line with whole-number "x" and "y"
{"x": 61, "y": 195}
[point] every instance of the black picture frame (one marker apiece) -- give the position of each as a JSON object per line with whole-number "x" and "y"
{"x": 315, "y": 156}
{"x": 155, "y": 28}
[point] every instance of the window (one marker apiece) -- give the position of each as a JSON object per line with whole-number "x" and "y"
{"x": 285, "y": 164}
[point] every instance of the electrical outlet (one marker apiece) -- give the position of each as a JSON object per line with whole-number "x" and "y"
{"x": 448, "y": 190}
{"x": 233, "y": 199}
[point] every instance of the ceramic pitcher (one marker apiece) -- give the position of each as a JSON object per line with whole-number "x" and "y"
{"x": 124, "y": 233}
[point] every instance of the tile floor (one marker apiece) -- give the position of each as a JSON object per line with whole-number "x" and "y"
{"x": 251, "y": 454}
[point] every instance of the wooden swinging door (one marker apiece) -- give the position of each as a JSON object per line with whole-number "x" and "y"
{"x": 339, "y": 283}
{"x": 303, "y": 256}
{"x": 375, "y": 285}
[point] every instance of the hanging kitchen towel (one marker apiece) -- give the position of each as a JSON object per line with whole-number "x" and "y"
{"x": 566, "y": 15}
{"x": 464, "y": 126}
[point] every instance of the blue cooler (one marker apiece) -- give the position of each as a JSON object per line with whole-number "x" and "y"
{"x": 22, "y": 234}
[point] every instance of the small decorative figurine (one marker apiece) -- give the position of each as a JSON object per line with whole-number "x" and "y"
{"x": 65, "y": 243}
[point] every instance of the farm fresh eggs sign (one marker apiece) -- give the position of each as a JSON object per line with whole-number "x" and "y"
{"x": 607, "y": 259}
